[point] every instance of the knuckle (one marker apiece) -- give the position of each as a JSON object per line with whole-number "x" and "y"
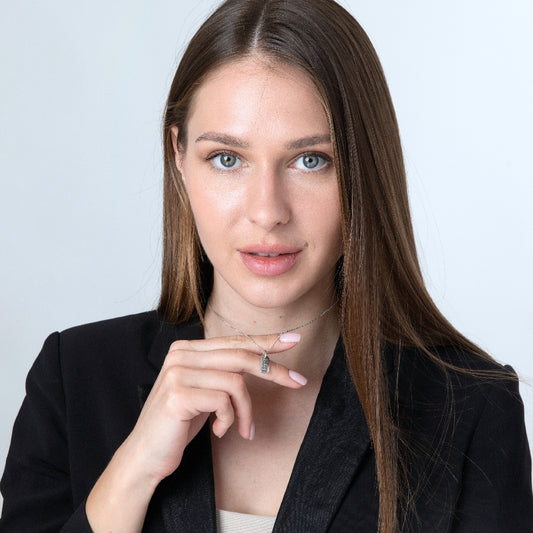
{"x": 237, "y": 383}
{"x": 175, "y": 357}
{"x": 176, "y": 345}
{"x": 235, "y": 341}
{"x": 173, "y": 401}
{"x": 225, "y": 402}
{"x": 174, "y": 375}
{"x": 180, "y": 345}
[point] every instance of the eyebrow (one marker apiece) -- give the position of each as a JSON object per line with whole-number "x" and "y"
{"x": 306, "y": 142}
{"x": 230, "y": 140}
{"x": 222, "y": 138}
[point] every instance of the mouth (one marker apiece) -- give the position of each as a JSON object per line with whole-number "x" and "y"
{"x": 271, "y": 260}
{"x": 266, "y": 255}
{"x": 269, "y": 250}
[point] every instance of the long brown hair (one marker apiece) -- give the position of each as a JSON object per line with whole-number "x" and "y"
{"x": 382, "y": 294}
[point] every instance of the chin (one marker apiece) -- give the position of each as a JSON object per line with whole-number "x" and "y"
{"x": 273, "y": 296}
{"x": 268, "y": 299}
{"x": 300, "y": 286}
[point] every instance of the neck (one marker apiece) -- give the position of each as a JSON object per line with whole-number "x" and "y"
{"x": 317, "y": 324}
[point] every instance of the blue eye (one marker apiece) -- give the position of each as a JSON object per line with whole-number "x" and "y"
{"x": 311, "y": 162}
{"x": 226, "y": 161}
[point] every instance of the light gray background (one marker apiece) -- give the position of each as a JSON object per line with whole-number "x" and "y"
{"x": 82, "y": 87}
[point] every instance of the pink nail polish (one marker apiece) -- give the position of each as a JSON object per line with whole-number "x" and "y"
{"x": 252, "y": 431}
{"x": 290, "y": 337}
{"x": 297, "y": 377}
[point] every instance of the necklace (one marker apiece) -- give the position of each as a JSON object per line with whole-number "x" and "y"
{"x": 265, "y": 359}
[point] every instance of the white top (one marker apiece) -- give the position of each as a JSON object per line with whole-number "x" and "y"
{"x": 228, "y": 522}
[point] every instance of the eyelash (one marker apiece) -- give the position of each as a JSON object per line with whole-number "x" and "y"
{"x": 214, "y": 155}
{"x": 325, "y": 158}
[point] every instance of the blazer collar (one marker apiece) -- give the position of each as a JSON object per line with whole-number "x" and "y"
{"x": 336, "y": 441}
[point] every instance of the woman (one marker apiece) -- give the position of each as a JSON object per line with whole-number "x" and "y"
{"x": 297, "y": 375}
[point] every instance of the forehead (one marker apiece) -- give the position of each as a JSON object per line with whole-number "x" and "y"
{"x": 255, "y": 95}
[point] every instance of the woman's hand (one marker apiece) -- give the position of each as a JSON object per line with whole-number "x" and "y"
{"x": 198, "y": 377}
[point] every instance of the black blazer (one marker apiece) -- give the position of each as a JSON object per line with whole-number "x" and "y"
{"x": 87, "y": 387}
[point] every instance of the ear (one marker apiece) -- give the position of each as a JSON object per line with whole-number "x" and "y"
{"x": 178, "y": 151}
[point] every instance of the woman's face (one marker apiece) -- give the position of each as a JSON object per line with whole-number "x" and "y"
{"x": 258, "y": 169}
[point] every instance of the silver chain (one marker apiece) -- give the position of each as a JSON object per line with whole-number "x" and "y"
{"x": 265, "y": 361}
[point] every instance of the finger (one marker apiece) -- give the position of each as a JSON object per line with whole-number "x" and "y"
{"x": 230, "y": 383}
{"x": 236, "y": 361}
{"x": 274, "y": 343}
{"x": 212, "y": 401}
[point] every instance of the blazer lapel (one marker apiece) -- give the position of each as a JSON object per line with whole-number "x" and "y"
{"x": 335, "y": 442}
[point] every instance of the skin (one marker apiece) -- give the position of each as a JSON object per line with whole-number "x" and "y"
{"x": 258, "y": 171}
{"x": 268, "y": 196}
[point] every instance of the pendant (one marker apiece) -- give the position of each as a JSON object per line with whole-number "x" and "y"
{"x": 265, "y": 363}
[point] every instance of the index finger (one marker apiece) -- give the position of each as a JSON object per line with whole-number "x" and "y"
{"x": 235, "y": 360}
{"x": 273, "y": 343}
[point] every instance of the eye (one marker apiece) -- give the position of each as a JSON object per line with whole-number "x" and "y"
{"x": 311, "y": 161}
{"x": 225, "y": 161}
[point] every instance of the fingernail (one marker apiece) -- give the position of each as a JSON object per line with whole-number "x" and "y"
{"x": 290, "y": 337}
{"x": 297, "y": 377}
{"x": 252, "y": 431}
{"x": 220, "y": 436}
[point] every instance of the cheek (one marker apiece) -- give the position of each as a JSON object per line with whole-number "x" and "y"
{"x": 326, "y": 218}
{"x": 213, "y": 209}
{"x": 202, "y": 207}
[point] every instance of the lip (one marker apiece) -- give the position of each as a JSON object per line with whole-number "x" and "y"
{"x": 269, "y": 266}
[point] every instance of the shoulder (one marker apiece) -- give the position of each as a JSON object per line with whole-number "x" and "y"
{"x": 127, "y": 333}
{"x": 453, "y": 394}
{"x": 450, "y": 368}
{"x": 463, "y": 411}
{"x": 105, "y": 339}
{"x": 146, "y": 323}
{"x": 113, "y": 348}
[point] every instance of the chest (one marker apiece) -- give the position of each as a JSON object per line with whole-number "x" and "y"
{"x": 252, "y": 476}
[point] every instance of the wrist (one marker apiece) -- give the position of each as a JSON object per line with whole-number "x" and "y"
{"x": 131, "y": 465}
{"x": 119, "y": 500}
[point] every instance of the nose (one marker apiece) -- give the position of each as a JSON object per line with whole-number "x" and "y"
{"x": 267, "y": 200}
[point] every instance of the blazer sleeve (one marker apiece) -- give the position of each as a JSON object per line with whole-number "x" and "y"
{"x": 496, "y": 484}
{"x": 36, "y": 482}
